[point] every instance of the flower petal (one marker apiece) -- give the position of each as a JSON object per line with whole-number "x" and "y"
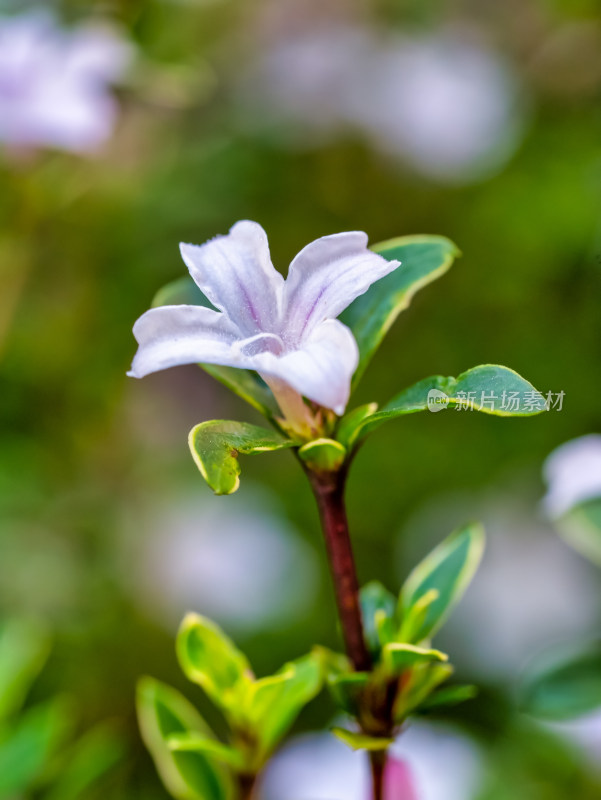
{"x": 173, "y": 335}
{"x": 236, "y": 274}
{"x": 321, "y": 369}
{"x": 326, "y": 276}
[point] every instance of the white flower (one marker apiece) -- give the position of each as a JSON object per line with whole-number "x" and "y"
{"x": 284, "y": 329}
{"x": 573, "y": 473}
{"x": 54, "y": 83}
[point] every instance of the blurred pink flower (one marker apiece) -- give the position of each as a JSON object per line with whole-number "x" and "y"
{"x": 398, "y": 784}
{"x": 54, "y": 83}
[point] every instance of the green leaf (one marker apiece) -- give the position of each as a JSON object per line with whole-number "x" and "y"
{"x": 581, "y": 529}
{"x": 28, "y": 746}
{"x": 423, "y": 259}
{"x": 163, "y": 712}
{"x": 86, "y": 762}
{"x": 24, "y": 648}
{"x": 489, "y": 388}
{"x": 451, "y": 696}
{"x": 385, "y": 627}
{"x": 211, "y": 660}
{"x": 350, "y": 425}
{"x": 567, "y": 687}
{"x": 448, "y": 569}
{"x": 378, "y": 608}
{"x": 360, "y": 741}
{"x": 197, "y": 743}
{"x": 275, "y": 702}
{"x": 424, "y": 679}
{"x": 181, "y": 292}
{"x": 216, "y": 445}
{"x": 333, "y": 663}
{"x": 397, "y": 657}
{"x": 416, "y": 616}
{"x": 323, "y": 455}
{"x": 245, "y": 383}
{"x": 347, "y": 690}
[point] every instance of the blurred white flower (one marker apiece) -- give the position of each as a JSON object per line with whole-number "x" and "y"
{"x": 444, "y": 764}
{"x": 307, "y": 78}
{"x": 54, "y": 83}
{"x": 440, "y": 764}
{"x": 443, "y": 103}
{"x": 239, "y": 563}
{"x": 447, "y": 105}
{"x": 573, "y": 474}
{"x": 315, "y": 767}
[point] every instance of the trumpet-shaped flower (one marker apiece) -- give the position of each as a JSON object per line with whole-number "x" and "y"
{"x": 286, "y": 330}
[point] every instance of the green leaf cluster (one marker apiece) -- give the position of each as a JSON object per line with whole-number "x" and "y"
{"x": 491, "y": 389}
{"x": 407, "y": 670}
{"x": 38, "y": 749}
{"x": 192, "y": 761}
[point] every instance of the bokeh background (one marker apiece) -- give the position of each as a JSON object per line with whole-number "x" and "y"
{"x": 169, "y": 122}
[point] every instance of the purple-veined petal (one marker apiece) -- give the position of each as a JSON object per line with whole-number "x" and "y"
{"x": 172, "y": 335}
{"x": 326, "y": 276}
{"x": 236, "y": 274}
{"x": 321, "y": 369}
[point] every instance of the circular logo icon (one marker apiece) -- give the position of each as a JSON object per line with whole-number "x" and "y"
{"x": 437, "y": 400}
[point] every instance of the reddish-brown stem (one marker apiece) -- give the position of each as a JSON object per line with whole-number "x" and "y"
{"x": 377, "y": 760}
{"x": 329, "y": 493}
{"x": 247, "y": 786}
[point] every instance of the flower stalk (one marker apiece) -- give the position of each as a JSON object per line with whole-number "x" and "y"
{"x": 328, "y": 489}
{"x": 377, "y": 760}
{"x": 297, "y": 419}
{"x": 247, "y": 786}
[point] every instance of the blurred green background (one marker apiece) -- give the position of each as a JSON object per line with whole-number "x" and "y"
{"x": 479, "y": 121}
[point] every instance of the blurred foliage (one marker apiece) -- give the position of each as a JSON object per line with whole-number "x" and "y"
{"x": 567, "y": 687}
{"x": 85, "y": 243}
{"x": 41, "y": 753}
